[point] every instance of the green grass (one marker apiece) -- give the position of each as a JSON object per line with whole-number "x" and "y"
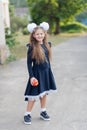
{"x": 19, "y": 50}
{"x": 57, "y": 39}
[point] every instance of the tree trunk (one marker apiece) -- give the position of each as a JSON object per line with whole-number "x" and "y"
{"x": 57, "y": 28}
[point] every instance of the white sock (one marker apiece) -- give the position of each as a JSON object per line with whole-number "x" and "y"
{"x": 43, "y": 109}
{"x": 27, "y": 113}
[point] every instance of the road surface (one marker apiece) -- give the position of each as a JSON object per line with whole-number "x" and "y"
{"x": 67, "y": 107}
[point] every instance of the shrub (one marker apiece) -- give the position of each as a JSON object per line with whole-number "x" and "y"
{"x": 10, "y": 37}
{"x": 10, "y": 58}
{"x": 18, "y": 23}
{"x": 25, "y": 31}
{"x": 73, "y": 27}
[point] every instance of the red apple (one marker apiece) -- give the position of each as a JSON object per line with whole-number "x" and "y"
{"x": 35, "y": 82}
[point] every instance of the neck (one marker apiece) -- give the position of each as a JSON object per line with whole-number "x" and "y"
{"x": 40, "y": 42}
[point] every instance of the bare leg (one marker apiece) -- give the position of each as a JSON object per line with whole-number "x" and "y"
{"x": 43, "y": 113}
{"x": 30, "y": 105}
{"x": 27, "y": 115}
{"x": 43, "y": 101}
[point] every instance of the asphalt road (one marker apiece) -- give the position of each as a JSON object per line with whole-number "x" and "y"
{"x": 67, "y": 107}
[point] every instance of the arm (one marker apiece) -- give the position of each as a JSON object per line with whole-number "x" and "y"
{"x": 29, "y": 64}
{"x": 50, "y": 51}
{"x": 29, "y": 61}
{"x": 50, "y": 44}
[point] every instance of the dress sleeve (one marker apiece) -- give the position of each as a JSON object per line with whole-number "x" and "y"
{"x": 50, "y": 44}
{"x": 29, "y": 61}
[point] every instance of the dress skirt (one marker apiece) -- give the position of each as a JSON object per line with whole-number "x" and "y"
{"x": 46, "y": 84}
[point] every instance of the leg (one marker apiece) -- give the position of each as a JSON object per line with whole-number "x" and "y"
{"x": 43, "y": 114}
{"x": 30, "y": 106}
{"x": 27, "y": 116}
{"x": 43, "y": 102}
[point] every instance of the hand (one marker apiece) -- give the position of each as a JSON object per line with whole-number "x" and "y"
{"x": 34, "y": 81}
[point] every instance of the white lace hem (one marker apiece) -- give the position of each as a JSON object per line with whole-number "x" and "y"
{"x": 32, "y": 98}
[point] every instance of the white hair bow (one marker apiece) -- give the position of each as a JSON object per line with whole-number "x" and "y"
{"x": 32, "y": 26}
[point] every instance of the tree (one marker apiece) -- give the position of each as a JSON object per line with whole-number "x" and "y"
{"x": 82, "y": 16}
{"x": 54, "y": 11}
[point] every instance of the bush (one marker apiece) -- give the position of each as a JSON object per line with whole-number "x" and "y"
{"x": 18, "y": 23}
{"x": 25, "y": 31}
{"x": 75, "y": 27}
{"x": 10, "y": 37}
{"x": 14, "y": 27}
{"x": 10, "y": 59}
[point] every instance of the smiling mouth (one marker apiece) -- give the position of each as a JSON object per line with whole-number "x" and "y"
{"x": 39, "y": 38}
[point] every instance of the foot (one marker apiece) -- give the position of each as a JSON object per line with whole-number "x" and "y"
{"x": 44, "y": 116}
{"x": 27, "y": 119}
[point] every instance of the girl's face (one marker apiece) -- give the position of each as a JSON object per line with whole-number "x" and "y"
{"x": 39, "y": 35}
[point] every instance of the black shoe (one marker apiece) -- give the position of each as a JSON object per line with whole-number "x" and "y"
{"x": 44, "y": 116}
{"x": 27, "y": 119}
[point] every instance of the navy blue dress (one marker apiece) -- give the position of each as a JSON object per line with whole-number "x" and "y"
{"x": 43, "y": 73}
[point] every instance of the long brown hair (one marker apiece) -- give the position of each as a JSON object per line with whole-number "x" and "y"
{"x": 38, "y": 52}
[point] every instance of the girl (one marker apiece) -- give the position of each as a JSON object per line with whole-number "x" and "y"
{"x": 39, "y": 68}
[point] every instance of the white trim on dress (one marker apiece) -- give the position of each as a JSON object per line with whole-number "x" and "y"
{"x": 32, "y": 98}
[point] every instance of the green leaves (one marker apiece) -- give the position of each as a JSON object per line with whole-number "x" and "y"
{"x": 54, "y": 11}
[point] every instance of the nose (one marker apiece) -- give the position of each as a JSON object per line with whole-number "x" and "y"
{"x": 39, "y": 36}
